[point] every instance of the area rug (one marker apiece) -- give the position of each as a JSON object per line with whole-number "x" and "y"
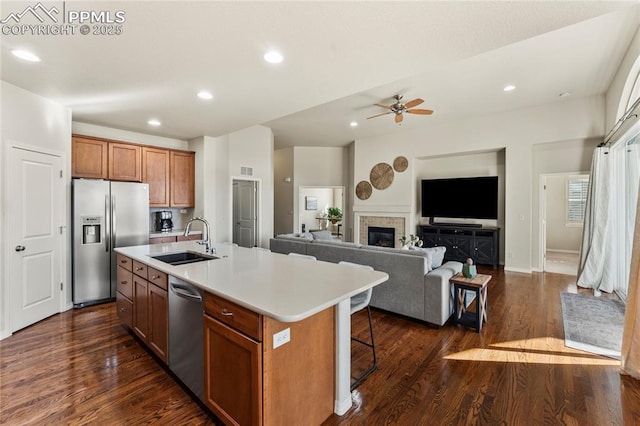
{"x": 593, "y": 324}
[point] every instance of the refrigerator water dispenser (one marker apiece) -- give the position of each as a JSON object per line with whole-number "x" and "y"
{"x": 91, "y": 230}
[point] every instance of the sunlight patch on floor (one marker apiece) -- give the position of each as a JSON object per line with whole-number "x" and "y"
{"x": 540, "y": 350}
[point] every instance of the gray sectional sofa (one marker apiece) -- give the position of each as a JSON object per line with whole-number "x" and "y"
{"x": 413, "y": 289}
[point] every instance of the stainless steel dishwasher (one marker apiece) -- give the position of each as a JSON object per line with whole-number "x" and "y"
{"x": 186, "y": 357}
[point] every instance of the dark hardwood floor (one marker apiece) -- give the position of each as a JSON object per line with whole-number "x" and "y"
{"x": 82, "y": 367}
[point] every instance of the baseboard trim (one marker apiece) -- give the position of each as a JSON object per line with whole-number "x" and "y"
{"x": 520, "y": 270}
{"x": 564, "y": 251}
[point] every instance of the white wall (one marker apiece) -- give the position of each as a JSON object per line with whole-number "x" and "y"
{"x": 283, "y": 191}
{"x": 619, "y": 89}
{"x": 560, "y": 236}
{"x": 320, "y": 167}
{"x": 514, "y": 131}
{"x": 566, "y": 157}
{"x": 86, "y": 129}
{"x": 220, "y": 160}
{"x": 29, "y": 119}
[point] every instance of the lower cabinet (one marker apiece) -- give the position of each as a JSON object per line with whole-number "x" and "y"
{"x": 233, "y": 374}
{"x": 142, "y": 301}
{"x": 248, "y": 381}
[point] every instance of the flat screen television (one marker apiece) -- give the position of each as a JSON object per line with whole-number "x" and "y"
{"x": 468, "y": 198}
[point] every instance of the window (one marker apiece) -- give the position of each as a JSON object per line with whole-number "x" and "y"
{"x": 576, "y": 199}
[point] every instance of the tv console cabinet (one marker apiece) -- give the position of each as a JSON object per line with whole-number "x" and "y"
{"x": 478, "y": 243}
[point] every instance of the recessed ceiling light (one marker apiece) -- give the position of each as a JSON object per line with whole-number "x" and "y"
{"x": 564, "y": 94}
{"x": 273, "y": 57}
{"x": 154, "y": 122}
{"x": 353, "y": 124}
{"x": 509, "y": 88}
{"x": 26, "y": 55}
{"x": 205, "y": 95}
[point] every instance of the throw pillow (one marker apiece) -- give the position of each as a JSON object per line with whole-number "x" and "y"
{"x": 322, "y": 235}
{"x": 428, "y": 258}
{"x": 436, "y": 253}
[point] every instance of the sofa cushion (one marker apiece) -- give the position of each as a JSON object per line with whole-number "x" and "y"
{"x": 321, "y": 235}
{"x": 338, "y": 243}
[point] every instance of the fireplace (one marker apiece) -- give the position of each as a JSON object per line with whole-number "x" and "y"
{"x": 381, "y": 236}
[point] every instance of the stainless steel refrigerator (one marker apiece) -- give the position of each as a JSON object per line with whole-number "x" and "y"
{"x": 105, "y": 215}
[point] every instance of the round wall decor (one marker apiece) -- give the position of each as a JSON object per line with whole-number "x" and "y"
{"x": 363, "y": 190}
{"x": 381, "y": 176}
{"x": 400, "y": 164}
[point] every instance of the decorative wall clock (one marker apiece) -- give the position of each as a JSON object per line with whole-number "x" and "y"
{"x": 381, "y": 176}
{"x": 363, "y": 190}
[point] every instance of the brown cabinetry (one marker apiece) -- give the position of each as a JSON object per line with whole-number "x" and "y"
{"x": 143, "y": 303}
{"x": 89, "y": 158}
{"x": 125, "y": 162}
{"x": 249, "y": 382}
{"x": 182, "y": 179}
{"x": 155, "y": 172}
{"x": 170, "y": 174}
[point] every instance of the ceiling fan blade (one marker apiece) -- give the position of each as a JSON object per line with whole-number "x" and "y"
{"x": 413, "y": 103}
{"x": 378, "y": 115}
{"x": 420, "y": 111}
{"x": 383, "y": 106}
{"x": 398, "y": 118}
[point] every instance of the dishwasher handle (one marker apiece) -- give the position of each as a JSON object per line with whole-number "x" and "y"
{"x": 184, "y": 291}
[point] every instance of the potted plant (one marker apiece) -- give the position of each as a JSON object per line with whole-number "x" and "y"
{"x": 469, "y": 269}
{"x": 334, "y": 214}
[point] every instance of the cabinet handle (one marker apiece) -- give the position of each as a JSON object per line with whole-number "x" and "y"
{"x": 227, "y": 313}
{"x": 155, "y": 277}
{"x": 122, "y": 309}
{"x": 123, "y": 261}
{"x": 123, "y": 282}
{"x": 139, "y": 269}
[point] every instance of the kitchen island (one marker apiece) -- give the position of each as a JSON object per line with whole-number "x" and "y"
{"x": 282, "y": 291}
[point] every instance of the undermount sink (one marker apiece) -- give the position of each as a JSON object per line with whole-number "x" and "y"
{"x": 184, "y": 257}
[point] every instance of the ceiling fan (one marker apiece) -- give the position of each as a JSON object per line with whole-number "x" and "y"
{"x": 399, "y": 108}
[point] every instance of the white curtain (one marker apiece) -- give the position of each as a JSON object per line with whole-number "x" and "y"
{"x": 631, "y": 335}
{"x": 597, "y": 264}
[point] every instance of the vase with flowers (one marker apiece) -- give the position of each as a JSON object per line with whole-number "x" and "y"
{"x": 412, "y": 241}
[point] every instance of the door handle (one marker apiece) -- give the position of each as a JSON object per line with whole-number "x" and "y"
{"x": 20, "y": 248}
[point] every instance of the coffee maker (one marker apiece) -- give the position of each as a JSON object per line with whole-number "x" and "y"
{"x": 163, "y": 222}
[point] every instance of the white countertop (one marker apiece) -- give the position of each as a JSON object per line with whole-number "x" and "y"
{"x": 173, "y": 233}
{"x": 282, "y": 287}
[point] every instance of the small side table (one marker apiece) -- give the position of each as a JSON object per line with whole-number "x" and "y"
{"x": 477, "y": 284}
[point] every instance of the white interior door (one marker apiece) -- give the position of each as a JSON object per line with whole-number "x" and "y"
{"x": 245, "y": 215}
{"x": 36, "y": 197}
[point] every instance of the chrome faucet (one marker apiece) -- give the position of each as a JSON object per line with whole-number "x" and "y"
{"x": 206, "y": 242}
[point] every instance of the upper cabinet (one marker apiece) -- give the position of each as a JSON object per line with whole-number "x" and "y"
{"x": 182, "y": 176}
{"x": 89, "y": 158}
{"x": 170, "y": 174}
{"x": 155, "y": 172}
{"x": 124, "y": 162}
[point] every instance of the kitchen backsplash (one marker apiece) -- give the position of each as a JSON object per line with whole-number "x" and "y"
{"x": 179, "y": 219}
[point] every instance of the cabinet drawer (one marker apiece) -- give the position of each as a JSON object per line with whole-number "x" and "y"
{"x": 162, "y": 240}
{"x": 242, "y": 319}
{"x": 156, "y": 277}
{"x": 124, "y": 282}
{"x": 140, "y": 269}
{"x": 124, "y": 261}
{"x": 125, "y": 309}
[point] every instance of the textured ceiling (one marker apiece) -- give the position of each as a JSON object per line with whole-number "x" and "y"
{"x": 340, "y": 58}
